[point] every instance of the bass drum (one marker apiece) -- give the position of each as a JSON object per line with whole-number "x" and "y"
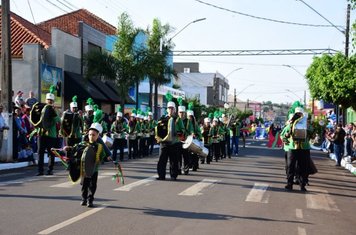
{"x": 88, "y": 162}
{"x": 195, "y": 146}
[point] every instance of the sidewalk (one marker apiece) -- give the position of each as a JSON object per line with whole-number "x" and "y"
{"x": 345, "y": 162}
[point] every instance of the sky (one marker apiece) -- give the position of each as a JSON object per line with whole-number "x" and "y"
{"x": 279, "y": 79}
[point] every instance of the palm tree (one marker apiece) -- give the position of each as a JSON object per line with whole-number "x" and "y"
{"x": 122, "y": 66}
{"x": 157, "y": 53}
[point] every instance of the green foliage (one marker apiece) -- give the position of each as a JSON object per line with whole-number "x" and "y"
{"x": 332, "y": 78}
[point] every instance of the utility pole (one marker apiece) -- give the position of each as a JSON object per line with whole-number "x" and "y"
{"x": 235, "y": 98}
{"x": 347, "y": 41}
{"x": 6, "y": 80}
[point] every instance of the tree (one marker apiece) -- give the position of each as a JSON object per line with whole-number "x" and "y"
{"x": 332, "y": 78}
{"x": 131, "y": 57}
{"x": 159, "y": 49}
{"x": 124, "y": 65}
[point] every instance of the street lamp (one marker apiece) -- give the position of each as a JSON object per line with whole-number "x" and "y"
{"x": 194, "y": 21}
{"x": 245, "y": 89}
{"x": 233, "y": 71}
{"x": 294, "y": 94}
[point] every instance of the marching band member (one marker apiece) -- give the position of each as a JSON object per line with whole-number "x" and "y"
{"x": 192, "y": 128}
{"x": 166, "y": 136}
{"x": 48, "y": 133}
{"x": 152, "y": 125}
{"x": 183, "y": 153}
{"x": 118, "y": 132}
{"x": 215, "y": 134}
{"x": 205, "y": 130}
{"x": 89, "y": 114}
{"x": 146, "y": 135}
{"x": 223, "y": 131}
{"x": 72, "y": 124}
{"x": 296, "y": 135}
{"x": 95, "y": 151}
{"x": 133, "y": 126}
{"x": 140, "y": 133}
{"x": 226, "y": 126}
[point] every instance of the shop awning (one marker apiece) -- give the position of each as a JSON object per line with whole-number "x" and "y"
{"x": 75, "y": 84}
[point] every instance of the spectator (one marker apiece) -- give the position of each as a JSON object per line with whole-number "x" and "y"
{"x": 338, "y": 139}
{"x": 31, "y": 100}
{"x": 19, "y": 101}
{"x": 3, "y": 125}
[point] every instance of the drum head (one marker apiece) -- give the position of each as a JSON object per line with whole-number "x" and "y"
{"x": 88, "y": 161}
{"x": 188, "y": 142}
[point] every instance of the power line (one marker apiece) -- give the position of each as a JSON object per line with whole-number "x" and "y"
{"x": 253, "y": 52}
{"x": 263, "y": 18}
{"x": 65, "y": 5}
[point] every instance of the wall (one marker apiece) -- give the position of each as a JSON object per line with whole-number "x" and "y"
{"x": 65, "y": 51}
{"x": 25, "y": 72}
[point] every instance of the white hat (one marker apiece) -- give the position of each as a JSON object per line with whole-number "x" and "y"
{"x": 96, "y": 126}
{"x": 206, "y": 119}
{"x": 181, "y": 108}
{"x": 73, "y": 104}
{"x": 190, "y": 113}
{"x": 133, "y": 114}
{"x": 150, "y": 113}
{"x": 145, "y": 118}
{"x": 119, "y": 114}
{"x": 299, "y": 110}
{"x": 88, "y": 107}
{"x": 49, "y": 96}
{"x": 220, "y": 119}
{"x": 171, "y": 104}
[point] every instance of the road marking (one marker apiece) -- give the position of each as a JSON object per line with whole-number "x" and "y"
{"x": 257, "y": 193}
{"x": 320, "y": 200}
{"x": 299, "y": 213}
{"x": 70, "y": 184}
{"x": 129, "y": 187}
{"x": 196, "y": 189}
{"x": 71, "y": 221}
{"x": 302, "y": 231}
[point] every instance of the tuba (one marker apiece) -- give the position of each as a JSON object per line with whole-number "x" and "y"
{"x": 41, "y": 115}
{"x": 70, "y": 123}
{"x": 163, "y": 129}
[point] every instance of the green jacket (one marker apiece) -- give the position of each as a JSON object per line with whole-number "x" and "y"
{"x": 290, "y": 143}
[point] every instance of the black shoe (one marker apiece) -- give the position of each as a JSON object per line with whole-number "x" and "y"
{"x": 289, "y": 187}
{"x": 83, "y": 203}
{"x": 174, "y": 178}
{"x": 90, "y": 205}
{"x": 303, "y": 189}
{"x": 39, "y": 174}
{"x": 186, "y": 172}
{"x": 49, "y": 173}
{"x": 159, "y": 178}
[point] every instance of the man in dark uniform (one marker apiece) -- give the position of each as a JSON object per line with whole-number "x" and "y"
{"x": 118, "y": 133}
{"x": 168, "y": 143}
{"x": 48, "y": 136}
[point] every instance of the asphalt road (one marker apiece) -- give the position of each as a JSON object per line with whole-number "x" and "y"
{"x": 241, "y": 195}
